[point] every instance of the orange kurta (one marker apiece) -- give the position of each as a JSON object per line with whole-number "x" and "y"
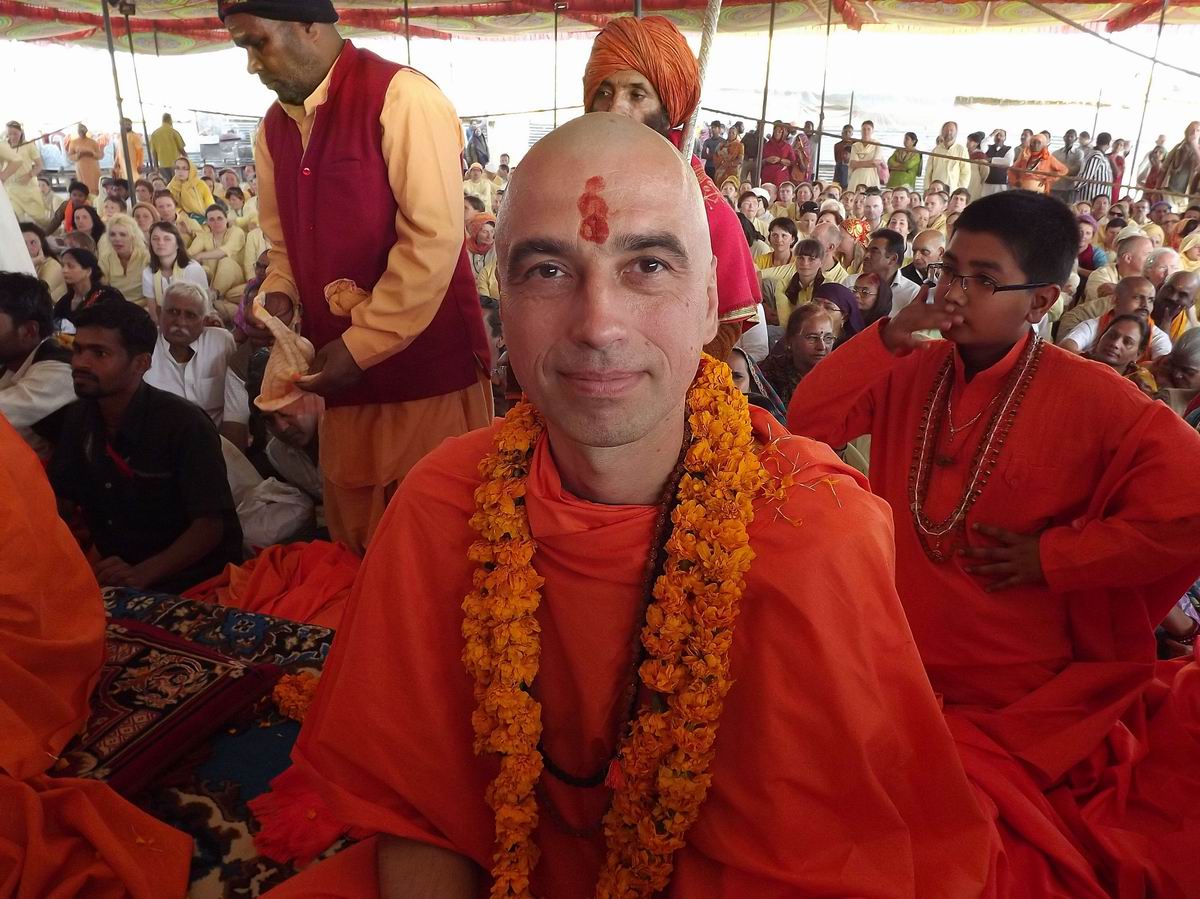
{"x": 1050, "y": 689}
{"x": 834, "y": 771}
{"x": 60, "y": 837}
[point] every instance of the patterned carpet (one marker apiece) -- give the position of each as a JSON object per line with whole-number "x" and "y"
{"x": 205, "y": 794}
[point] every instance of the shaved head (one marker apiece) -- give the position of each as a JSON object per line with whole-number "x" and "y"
{"x": 607, "y": 280}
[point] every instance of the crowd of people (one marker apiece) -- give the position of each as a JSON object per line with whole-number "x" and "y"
{"x": 1005, "y": 364}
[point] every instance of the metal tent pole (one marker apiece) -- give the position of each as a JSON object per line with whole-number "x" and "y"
{"x": 762, "y": 119}
{"x": 407, "y": 34}
{"x": 816, "y": 160}
{"x": 712, "y": 13}
{"x": 637, "y": 8}
{"x": 556, "y": 8}
{"x": 137, "y": 83}
{"x": 1162, "y": 17}
{"x": 112, "y": 58}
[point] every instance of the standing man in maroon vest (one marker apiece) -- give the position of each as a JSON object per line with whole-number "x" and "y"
{"x": 360, "y": 195}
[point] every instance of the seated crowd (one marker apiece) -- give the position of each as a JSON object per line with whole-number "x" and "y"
{"x": 133, "y": 364}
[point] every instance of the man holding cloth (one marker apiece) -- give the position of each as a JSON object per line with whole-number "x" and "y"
{"x": 362, "y": 204}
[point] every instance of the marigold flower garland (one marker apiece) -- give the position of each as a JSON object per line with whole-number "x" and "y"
{"x": 663, "y": 761}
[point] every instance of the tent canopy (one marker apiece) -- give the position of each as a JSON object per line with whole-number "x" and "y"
{"x": 182, "y": 26}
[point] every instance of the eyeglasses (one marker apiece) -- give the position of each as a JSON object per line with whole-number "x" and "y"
{"x": 975, "y": 286}
{"x": 820, "y": 339}
{"x": 865, "y": 291}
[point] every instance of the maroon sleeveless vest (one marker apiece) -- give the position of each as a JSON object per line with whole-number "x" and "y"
{"x": 339, "y": 221}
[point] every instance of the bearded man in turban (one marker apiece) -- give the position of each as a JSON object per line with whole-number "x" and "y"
{"x": 643, "y": 69}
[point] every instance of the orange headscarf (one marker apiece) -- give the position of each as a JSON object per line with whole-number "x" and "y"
{"x": 654, "y": 47}
{"x": 474, "y": 227}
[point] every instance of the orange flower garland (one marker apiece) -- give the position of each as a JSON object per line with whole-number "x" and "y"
{"x": 663, "y": 761}
{"x": 294, "y": 693}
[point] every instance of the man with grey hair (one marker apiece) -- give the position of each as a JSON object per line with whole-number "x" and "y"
{"x": 1160, "y": 265}
{"x": 192, "y": 361}
{"x": 555, "y": 524}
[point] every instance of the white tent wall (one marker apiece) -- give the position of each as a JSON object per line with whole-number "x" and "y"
{"x": 903, "y": 80}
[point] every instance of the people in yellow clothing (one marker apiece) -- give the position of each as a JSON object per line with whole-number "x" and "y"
{"x": 243, "y": 210}
{"x": 218, "y": 248}
{"x": 191, "y": 194}
{"x": 950, "y": 162}
{"x": 487, "y": 282}
{"x": 168, "y": 211}
{"x": 137, "y": 149}
{"x": 798, "y": 290}
{"x": 372, "y": 254}
{"x": 86, "y": 154}
{"x": 477, "y": 185}
{"x": 45, "y": 263}
{"x": 124, "y": 257}
{"x": 166, "y": 145}
{"x": 256, "y": 245}
{"x": 21, "y": 184}
{"x": 785, "y": 204}
{"x": 779, "y": 265}
{"x": 1189, "y": 252}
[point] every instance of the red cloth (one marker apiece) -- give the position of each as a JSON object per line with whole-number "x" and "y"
{"x": 1050, "y": 690}
{"x": 338, "y": 214}
{"x": 834, "y": 774}
{"x": 1118, "y": 164}
{"x": 307, "y": 582}
{"x": 60, "y": 838}
{"x": 738, "y": 290}
{"x": 777, "y": 172}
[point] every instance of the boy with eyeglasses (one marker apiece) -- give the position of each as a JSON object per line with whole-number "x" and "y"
{"x": 1036, "y": 552}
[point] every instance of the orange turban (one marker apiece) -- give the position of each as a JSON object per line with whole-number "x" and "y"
{"x": 654, "y": 47}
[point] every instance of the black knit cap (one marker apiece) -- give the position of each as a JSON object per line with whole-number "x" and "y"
{"x": 281, "y": 10}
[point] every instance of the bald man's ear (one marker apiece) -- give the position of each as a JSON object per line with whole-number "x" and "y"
{"x": 711, "y": 315}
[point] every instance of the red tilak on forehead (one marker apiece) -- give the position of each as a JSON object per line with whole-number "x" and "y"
{"x": 594, "y": 211}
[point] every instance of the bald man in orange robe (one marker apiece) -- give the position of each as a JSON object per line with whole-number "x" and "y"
{"x": 60, "y": 837}
{"x": 1034, "y": 610}
{"x": 834, "y": 773}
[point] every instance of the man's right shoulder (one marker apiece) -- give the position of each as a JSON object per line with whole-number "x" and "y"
{"x": 448, "y": 475}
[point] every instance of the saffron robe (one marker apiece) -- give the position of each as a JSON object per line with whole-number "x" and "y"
{"x": 1073, "y": 742}
{"x": 834, "y": 773}
{"x": 60, "y": 838}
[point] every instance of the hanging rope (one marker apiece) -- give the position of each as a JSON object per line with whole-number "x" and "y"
{"x": 711, "y": 14}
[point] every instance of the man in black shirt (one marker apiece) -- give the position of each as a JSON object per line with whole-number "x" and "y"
{"x": 144, "y": 466}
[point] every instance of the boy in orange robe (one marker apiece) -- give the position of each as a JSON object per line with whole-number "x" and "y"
{"x": 60, "y": 837}
{"x": 834, "y": 773}
{"x": 1046, "y": 515}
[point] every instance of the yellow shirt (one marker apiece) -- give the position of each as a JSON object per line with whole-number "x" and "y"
{"x": 167, "y": 145}
{"x": 422, "y": 143}
{"x": 22, "y": 186}
{"x": 232, "y": 243}
{"x": 484, "y": 189}
{"x": 954, "y": 173}
{"x": 127, "y": 277}
{"x": 50, "y": 272}
{"x": 247, "y": 219}
{"x": 487, "y": 283}
{"x": 783, "y": 211}
{"x": 837, "y": 275}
